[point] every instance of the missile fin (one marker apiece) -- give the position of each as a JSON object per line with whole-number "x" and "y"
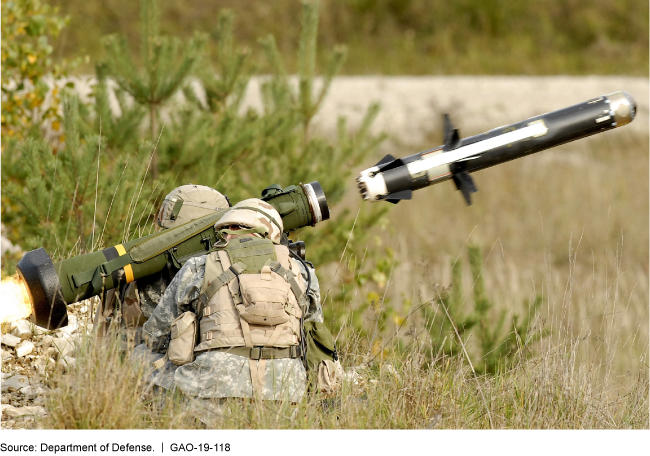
{"x": 465, "y": 184}
{"x": 387, "y": 159}
{"x": 389, "y": 162}
{"x": 452, "y": 137}
{"x": 398, "y": 196}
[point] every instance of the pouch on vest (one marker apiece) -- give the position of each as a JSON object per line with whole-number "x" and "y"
{"x": 181, "y": 345}
{"x": 265, "y": 299}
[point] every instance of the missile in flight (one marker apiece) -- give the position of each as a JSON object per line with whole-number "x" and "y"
{"x": 395, "y": 179}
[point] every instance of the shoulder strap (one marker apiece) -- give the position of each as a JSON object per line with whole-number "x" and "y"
{"x": 289, "y": 276}
{"x": 211, "y": 284}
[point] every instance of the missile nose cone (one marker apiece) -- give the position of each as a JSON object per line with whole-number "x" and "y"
{"x": 632, "y": 104}
{"x": 623, "y": 107}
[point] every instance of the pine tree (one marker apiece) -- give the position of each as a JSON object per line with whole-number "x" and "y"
{"x": 495, "y": 349}
{"x": 306, "y": 157}
{"x": 68, "y": 198}
{"x": 165, "y": 67}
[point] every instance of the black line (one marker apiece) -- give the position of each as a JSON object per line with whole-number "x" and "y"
{"x": 110, "y": 253}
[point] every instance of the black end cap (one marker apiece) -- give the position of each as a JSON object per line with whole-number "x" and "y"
{"x": 49, "y": 308}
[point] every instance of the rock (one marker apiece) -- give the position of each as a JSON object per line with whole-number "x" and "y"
{"x": 14, "y": 383}
{"x": 356, "y": 376}
{"x": 44, "y": 363}
{"x": 63, "y": 346}
{"x": 6, "y": 356}
{"x": 38, "y": 330}
{"x": 10, "y": 340}
{"x": 24, "y": 348}
{"x": 73, "y": 325}
{"x": 10, "y": 410}
{"x": 31, "y": 392}
{"x": 68, "y": 362}
{"x": 46, "y": 341}
{"x": 21, "y": 329}
{"x": 40, "y": 400}
{"x": 26, "y": 391}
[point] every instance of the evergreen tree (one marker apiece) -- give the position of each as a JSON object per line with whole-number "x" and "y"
{"x": 67, "y": 199}
{"x": 165, "y": 67}
{"x": 495, "y": 349}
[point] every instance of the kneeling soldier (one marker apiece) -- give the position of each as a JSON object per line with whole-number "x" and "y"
{"x": 243, "y": 305}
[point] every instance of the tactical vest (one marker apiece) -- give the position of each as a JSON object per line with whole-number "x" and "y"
{"x": 249, "y": 298}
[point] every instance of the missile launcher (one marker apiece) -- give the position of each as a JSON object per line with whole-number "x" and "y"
{"x": 53, "y": 285}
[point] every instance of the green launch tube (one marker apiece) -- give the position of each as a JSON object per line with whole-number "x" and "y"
{"x": 53, "y": 285}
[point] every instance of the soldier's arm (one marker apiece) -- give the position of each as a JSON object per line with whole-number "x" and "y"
{"x": 180, "y": 296}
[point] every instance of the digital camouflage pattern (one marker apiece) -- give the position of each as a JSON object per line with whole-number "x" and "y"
{"x": 150, "y": 291}
{"x": 219, "y": 374}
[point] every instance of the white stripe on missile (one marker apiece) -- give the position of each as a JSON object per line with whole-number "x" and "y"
{"x": 534, "y": 129}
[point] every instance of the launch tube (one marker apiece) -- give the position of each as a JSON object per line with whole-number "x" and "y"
{"x": 395, "y": 179}
{"x": 53, "y": 285}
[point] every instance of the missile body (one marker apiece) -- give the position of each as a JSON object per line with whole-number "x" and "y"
{"x": 51, "y": 285}
{"x": 394, "y": 179}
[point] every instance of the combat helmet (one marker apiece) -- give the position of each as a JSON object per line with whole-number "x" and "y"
{"x": 253, "y": 213}
{"x": 189, "y": 202}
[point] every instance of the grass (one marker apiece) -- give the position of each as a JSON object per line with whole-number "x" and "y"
{"x": 550, "y": 390}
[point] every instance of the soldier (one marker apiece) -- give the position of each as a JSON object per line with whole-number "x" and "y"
{"x": 139, "y": 299}
{"x": 250, "y": 299}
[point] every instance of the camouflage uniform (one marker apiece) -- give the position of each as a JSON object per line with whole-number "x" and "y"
{"x": 150, "y": 291}
{"x": 216, "y": 374}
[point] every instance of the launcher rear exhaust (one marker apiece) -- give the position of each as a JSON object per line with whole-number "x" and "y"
{"x": 51, "y": 286}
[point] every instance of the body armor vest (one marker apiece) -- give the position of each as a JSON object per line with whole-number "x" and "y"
{"x": 250, "y": 296}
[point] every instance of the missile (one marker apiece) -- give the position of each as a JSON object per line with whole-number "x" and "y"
{"x": 395, "y": 179}
{"x": 51, "y": 286}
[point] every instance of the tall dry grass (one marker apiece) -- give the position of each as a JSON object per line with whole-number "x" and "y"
{"x": 550, "y": 390}
{"x": 101, "y": 389}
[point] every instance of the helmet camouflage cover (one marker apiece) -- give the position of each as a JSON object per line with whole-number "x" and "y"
{"x": 187, "y": 203}
{"x": 254, "y": 213}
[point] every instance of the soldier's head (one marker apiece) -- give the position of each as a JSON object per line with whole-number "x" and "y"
{"x": 189, "y": 202}
{"x": 252, "y": 216}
